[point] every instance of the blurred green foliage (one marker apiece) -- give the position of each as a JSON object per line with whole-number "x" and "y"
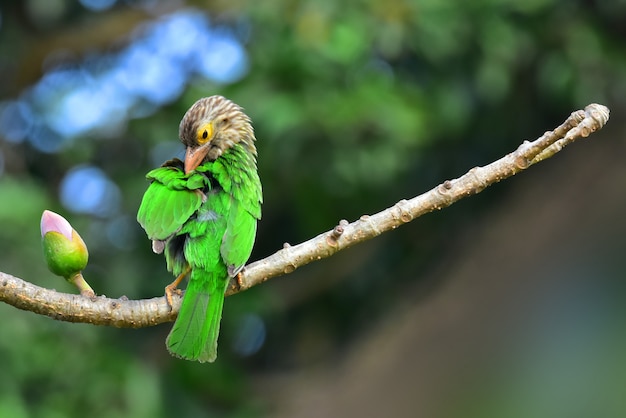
{"x": 356, "y": 105}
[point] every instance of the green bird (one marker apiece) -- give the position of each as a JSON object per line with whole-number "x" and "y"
{"x": 202, "y": 213}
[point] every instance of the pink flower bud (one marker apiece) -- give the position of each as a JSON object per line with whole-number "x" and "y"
{"x": 51, "y": 221}
{"x": 64, "y": 250}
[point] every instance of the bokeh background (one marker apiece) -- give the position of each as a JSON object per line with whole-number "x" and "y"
{"x": 509, "y": 303}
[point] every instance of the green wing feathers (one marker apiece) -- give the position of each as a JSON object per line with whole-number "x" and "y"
{"x": 163, "y": 211}
{"x": 167, "y": 204}
{"x": 238, "y": 239}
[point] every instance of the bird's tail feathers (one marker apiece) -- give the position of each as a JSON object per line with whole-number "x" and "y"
{"x": 195, "y": 332}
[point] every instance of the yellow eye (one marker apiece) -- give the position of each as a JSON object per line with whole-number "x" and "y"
{"x": 204, "y": 133}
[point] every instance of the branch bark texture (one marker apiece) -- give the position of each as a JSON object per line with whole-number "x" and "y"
{"x": 123, "y": 312}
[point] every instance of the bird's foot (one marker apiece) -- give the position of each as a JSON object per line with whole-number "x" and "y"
{"x": 169, "y": 292}
{"x": 172, "y": 288}
{"x": 238, "y": 280}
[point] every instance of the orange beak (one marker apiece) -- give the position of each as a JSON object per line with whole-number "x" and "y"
{"x": 194, "y": 157}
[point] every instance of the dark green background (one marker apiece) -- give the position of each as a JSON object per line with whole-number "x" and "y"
{"x": 507, "y": 304}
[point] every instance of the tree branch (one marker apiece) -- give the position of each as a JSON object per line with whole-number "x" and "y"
{"x": 122, "y": 312}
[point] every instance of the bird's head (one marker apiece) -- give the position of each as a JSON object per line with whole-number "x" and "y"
{"x": 211, "y": 127}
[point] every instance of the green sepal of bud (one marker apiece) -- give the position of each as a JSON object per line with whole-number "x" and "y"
{"x": 65, "y": 257}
